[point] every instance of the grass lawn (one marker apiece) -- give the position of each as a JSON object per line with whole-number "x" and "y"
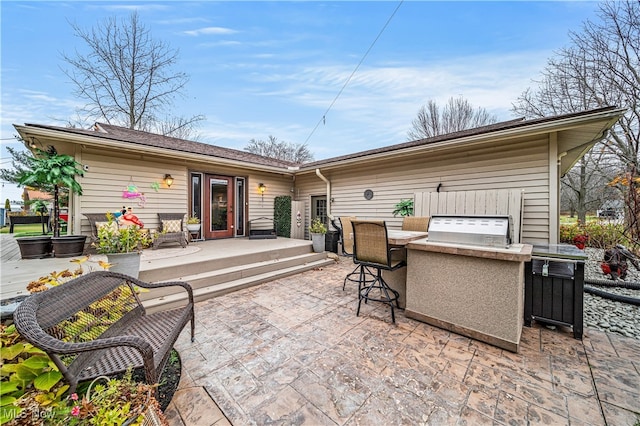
{"x": 566, "y": 220}
{"x": 27, "y": 230}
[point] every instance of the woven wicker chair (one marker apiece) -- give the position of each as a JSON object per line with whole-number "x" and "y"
{"x": 371, "y": 249}
{"x": 161, "y": 237}
{"x": 93, "y": 218}
{"x": 346, "y": 235}
{"x": 95, "y": 325}
{"x": 415, "y": 223}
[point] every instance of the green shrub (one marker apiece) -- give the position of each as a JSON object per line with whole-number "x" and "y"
{"x": 282, "y": 215}
{"x": 601, "y": 235}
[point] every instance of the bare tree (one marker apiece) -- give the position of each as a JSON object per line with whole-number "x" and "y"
{"x": 126, "y": 78}
{"x": 281, "y": 150}
{"x": 600, "y": 68}
{"x": 458, "y": 114}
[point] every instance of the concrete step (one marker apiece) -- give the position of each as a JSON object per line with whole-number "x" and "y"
{"x": 203, "y": 291}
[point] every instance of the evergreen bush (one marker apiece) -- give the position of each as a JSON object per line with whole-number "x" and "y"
{"x": 282, "y": 215}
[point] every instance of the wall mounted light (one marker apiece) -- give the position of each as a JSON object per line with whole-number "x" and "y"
{"x": 168, "y": 180}
{"x": 261, "y": 188}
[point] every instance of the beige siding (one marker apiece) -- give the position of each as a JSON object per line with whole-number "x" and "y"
{"x": 107, "y": 178}
{"x": 109, "y": 175}
{"x": 521, "y": 165}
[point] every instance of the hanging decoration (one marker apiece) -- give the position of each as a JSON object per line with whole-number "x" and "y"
{"x": 155, "y": 186}
{"x": 298, "y": 219}
{"x": 132, "y": 192}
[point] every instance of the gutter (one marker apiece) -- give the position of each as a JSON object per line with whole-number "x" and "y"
{"x": 319, "y": 174}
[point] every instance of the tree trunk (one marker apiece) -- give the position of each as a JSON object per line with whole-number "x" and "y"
{"x": 56, "y": 213}
{"x": 582, "y": 192}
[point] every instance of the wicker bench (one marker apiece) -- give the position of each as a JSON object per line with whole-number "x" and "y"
{"x": 95, "y": 325}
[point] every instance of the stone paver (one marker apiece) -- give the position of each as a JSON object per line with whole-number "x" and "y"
{"x": 292, "y": 351}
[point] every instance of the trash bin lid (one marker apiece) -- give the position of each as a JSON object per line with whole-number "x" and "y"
{"x": 559, "y": 251}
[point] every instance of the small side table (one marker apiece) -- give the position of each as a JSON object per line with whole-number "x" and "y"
{"x": 195, "y": 235}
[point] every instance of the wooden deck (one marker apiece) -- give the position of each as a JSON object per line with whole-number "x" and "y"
{"x": 212, "y": 267}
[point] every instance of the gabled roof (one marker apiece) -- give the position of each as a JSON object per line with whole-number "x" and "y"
{"x": 577, "y": 133}
{"x": 108, "y": 132}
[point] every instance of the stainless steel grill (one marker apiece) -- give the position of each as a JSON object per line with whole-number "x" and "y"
{"x": 485, "y": 231}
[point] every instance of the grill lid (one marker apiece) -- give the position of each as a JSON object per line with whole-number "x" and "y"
{"x": 485, "y": 231}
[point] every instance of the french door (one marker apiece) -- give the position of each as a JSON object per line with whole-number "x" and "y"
{"x": 218, "y": 207}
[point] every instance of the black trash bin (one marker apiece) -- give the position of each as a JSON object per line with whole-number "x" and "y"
{"x": 331, "y": 241}
{"x": 554, "y": 286}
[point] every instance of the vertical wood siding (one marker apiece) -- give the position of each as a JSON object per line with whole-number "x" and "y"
{"x": 483, "y": 202}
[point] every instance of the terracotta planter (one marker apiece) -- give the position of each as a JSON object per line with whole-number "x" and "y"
{"x": 34, "y": 247}
{"x": 68, "y": 245}
{"x": 125, "y": 263}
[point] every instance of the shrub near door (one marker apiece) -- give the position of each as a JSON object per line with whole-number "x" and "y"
{"x": 317, "y": 231}
{"x": 122, "y": 245}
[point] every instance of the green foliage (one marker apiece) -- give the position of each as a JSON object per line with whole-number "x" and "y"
{"x": 51, "y": 169}
{"x": 27, "y": 375}
{"x": 113, "y": 402}
{"x": 317, "y": 227}
{"x": 602, "y": 234}
{"x": 282, "y": 215}
{"x": 193, "y": 220}
{"x": 403, "y": 208}
{"x": 114, "y": 239}
{"x": 39, "y": 206}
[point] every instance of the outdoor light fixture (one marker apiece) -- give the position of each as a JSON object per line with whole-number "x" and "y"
{"x": 168, "y": 180}
{"x": 261, "y": 188}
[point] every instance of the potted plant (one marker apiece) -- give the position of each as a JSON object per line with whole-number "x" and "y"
{"x": 403, "y": 208}
{"x": 318, "y": 229}
{"x": 122, "y": 245}
{"x": 193, "y": 224}
{"x": 50, "y": 172}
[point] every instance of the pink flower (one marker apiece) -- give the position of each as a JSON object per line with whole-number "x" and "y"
{"x": 75, "y": 411}
{"x": 74, "y": 396}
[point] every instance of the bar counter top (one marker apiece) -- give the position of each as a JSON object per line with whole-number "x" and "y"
{"x": 514, "y": 253}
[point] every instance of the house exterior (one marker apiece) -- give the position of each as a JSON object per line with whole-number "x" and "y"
{"x": 227, "y": 188}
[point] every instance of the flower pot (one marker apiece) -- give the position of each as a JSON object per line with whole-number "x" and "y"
{"x": 68, "y": 245}
{"x": 193, "y": 227}
{"x": 34, "y": 247}
{"x": 318, "y": 242}
{"x": 125, "y": 263}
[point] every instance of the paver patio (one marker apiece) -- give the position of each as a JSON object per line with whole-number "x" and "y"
{"x": 292, "y": 351}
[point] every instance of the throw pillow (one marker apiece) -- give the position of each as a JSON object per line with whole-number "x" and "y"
{"x": 171, "y": 226}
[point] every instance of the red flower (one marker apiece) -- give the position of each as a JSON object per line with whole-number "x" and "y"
{"x": 580, "y": 240}
{"x": 75, "y": 411}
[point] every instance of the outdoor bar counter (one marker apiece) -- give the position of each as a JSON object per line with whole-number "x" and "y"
{"x": 474, "y": 291}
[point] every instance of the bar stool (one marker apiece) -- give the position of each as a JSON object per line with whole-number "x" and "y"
{"x": 371, "y": 249}
{"x": 346, "y": 235}
{"x": 415, "y": 223}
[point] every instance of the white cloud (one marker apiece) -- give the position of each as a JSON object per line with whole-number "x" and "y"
{"x": 210, "y": 30}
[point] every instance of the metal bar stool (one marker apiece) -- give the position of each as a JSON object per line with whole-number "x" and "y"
{"x": 371, "y": 249}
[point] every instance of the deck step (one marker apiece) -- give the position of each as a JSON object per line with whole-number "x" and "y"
{"x": 204, "y": 292}
{"x": 220, "y": 261}
{"x": 232, "y": 273}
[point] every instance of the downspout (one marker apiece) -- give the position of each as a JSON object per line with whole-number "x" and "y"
{"x": 319, "y": 174}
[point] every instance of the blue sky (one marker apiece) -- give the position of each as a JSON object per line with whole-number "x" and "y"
{"x": 274, "y": 68}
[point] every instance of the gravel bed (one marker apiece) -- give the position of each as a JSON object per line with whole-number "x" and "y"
{"x": 605, "y": 314}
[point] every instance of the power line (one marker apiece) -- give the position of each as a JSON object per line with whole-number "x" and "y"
{"x": 324, "y": 116}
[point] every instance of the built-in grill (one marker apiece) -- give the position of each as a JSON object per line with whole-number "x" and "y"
{"x": 485, "y": 231}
